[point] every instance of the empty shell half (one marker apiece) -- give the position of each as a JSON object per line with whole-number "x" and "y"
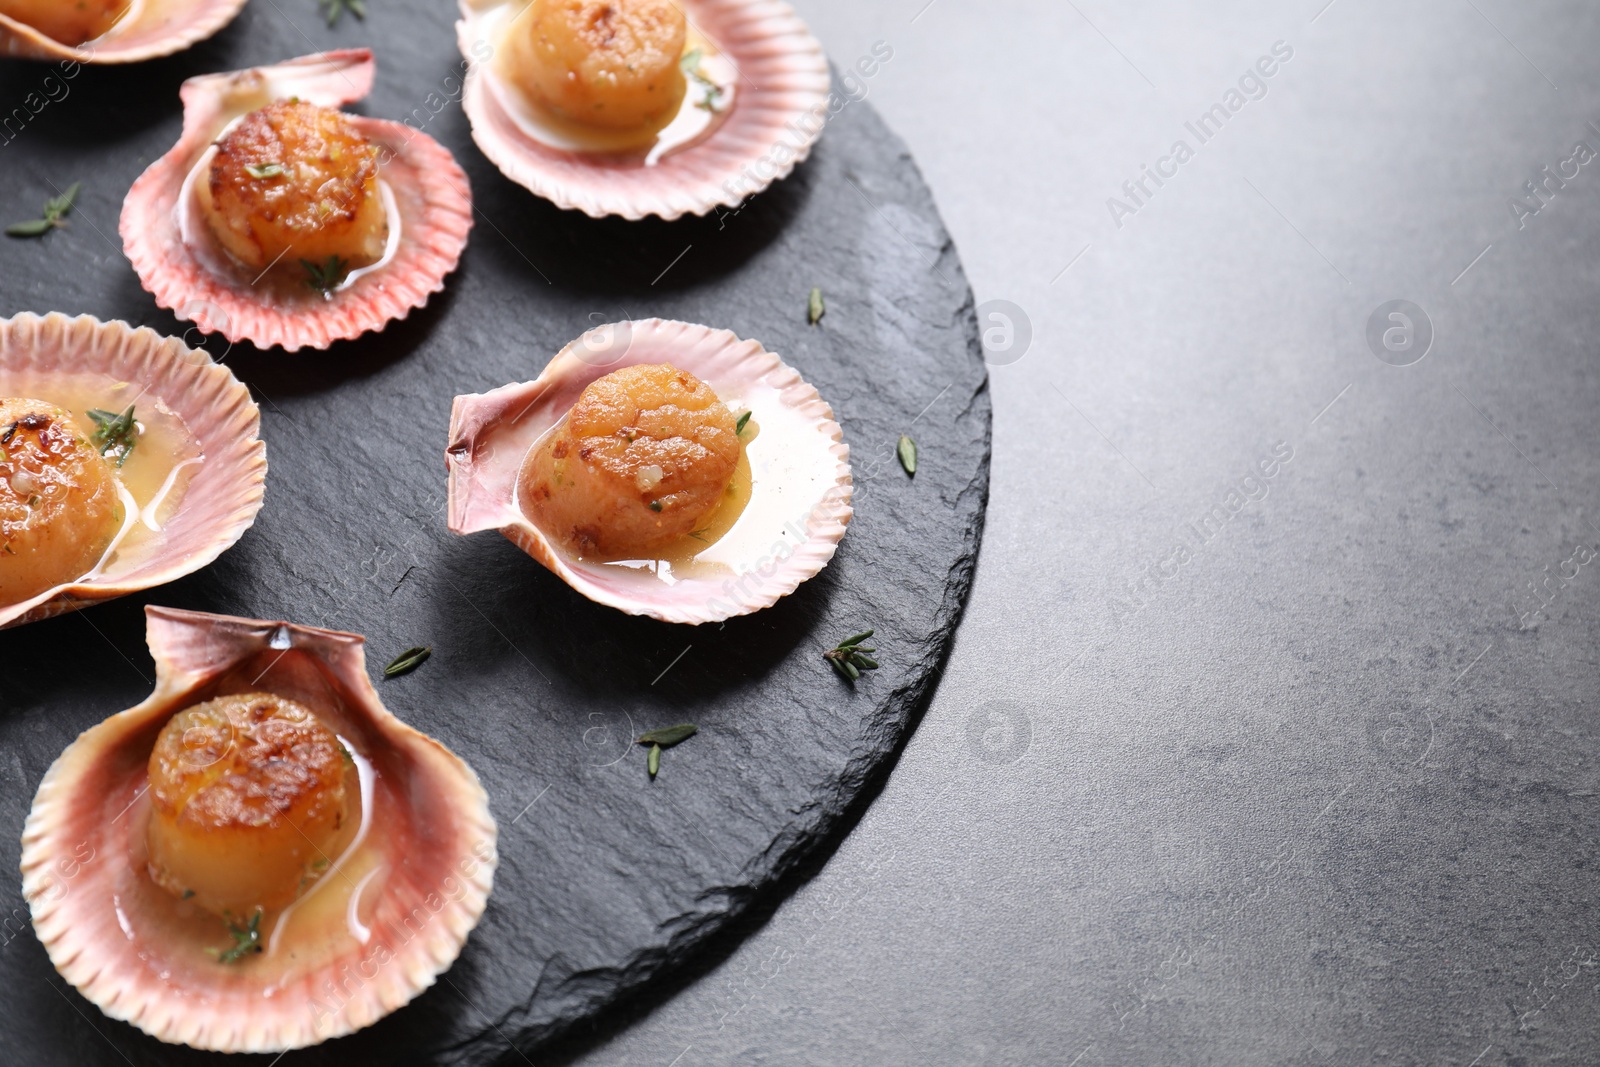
{"x": 280, "y": 220}
{"x": 642, "y": 107}
{"x": 662, "y": 468}
{"x": 259, "y": 857}
{"x": 127, "y": 460}
{"x": 109, "y": 31}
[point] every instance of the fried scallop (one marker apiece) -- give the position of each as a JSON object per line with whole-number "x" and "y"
{"x": 607, "y": 63}
{"x": 58, "y": 500}
{"x": 136, "y": 461}
{"x": 249, "y": 796}
{"x": 108, "y": 31}
{"x": 282, "y": 220}
{"x": 70, "y": 23}
{"x": 260, "y": 856}
{"x": 643, "y": 107}
{"x": 645, "y": 457}
{"x": 293, "y": 181}
{"x": 661, "y": 468}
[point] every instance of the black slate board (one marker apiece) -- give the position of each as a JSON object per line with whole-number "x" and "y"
{"x": 606, "y": 879}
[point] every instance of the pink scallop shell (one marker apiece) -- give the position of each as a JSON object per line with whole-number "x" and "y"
{"x": 155, "y": 28}
{"x": 431, "y": 193}
{"x": 225, "y": 493}
{"x": 491, "y": 433}
{"x": 778, "y": 113}
{"x": 76, "y": 842}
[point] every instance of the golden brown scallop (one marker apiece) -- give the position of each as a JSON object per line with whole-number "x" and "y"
{"x": 608, "y": 63}
{"x": 249, "y": 796}
{"x": 645, "y": 457}
{"x": 292, "y": 182}
{"x": 71, "y": 22}
{"x": 58, "y": 500}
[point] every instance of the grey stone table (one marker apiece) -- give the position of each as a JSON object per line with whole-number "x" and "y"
{"x": 1230, "y": 766}
{"x": 1309, "y": 779}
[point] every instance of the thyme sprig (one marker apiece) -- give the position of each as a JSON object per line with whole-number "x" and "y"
{"x": 850, "y": 657}
{"x": 55, "y": 211}
{"x": 114, "y": 433}
{"x": 246, "y": 938}
{"x": 332, "y": 9}
{"x": 665, "y": 737}
{"x": 691, "y": 66}
{"x": 325, "y": 278}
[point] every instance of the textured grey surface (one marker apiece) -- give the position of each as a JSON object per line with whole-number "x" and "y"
{"x": 1272, "y": 817}
{"x": 605, "y": 877}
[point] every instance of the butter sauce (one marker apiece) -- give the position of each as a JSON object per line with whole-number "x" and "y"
{"x": 335, "y": 892}
{"x": 151, "y": 482}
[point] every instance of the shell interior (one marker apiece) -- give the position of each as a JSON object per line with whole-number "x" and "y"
{"x": 777, "y": 110}
{"x": 427, "y": 200}
{"x": 150, "y": 29}
{"x": 391, "y": 913}
{"x": 799, "y": 501}
{"x": 217, "y": 492}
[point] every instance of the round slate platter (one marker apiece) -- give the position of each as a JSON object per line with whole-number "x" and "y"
{"x": 606, "y": 880}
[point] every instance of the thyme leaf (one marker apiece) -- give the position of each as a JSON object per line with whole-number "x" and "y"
{"x": 815, "y": 307}
{"x": 407, "y": 661}
{"x": 654, "y": 762}
{"x": 114, "y": 432}
{"x": 265, "y": 170}
{"x": 849, "y": 658}
{"x": 62, "y": 204}
{"x": 907, "y": 448}
{"x": 744, "y": 420}
{"x": 668, "y": 736}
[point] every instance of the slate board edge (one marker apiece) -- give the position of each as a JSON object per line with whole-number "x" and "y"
{"x": 703, "y": 938}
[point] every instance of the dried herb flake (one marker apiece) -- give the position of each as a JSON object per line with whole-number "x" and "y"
{"x": 665, "y": 737}
{"x": 55, "y": 210}
{"x": 407, "y": 661}
{"x": 332, "y": 9}
{"x": 849, "y": 658}
{"x": 907, "y": 449}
